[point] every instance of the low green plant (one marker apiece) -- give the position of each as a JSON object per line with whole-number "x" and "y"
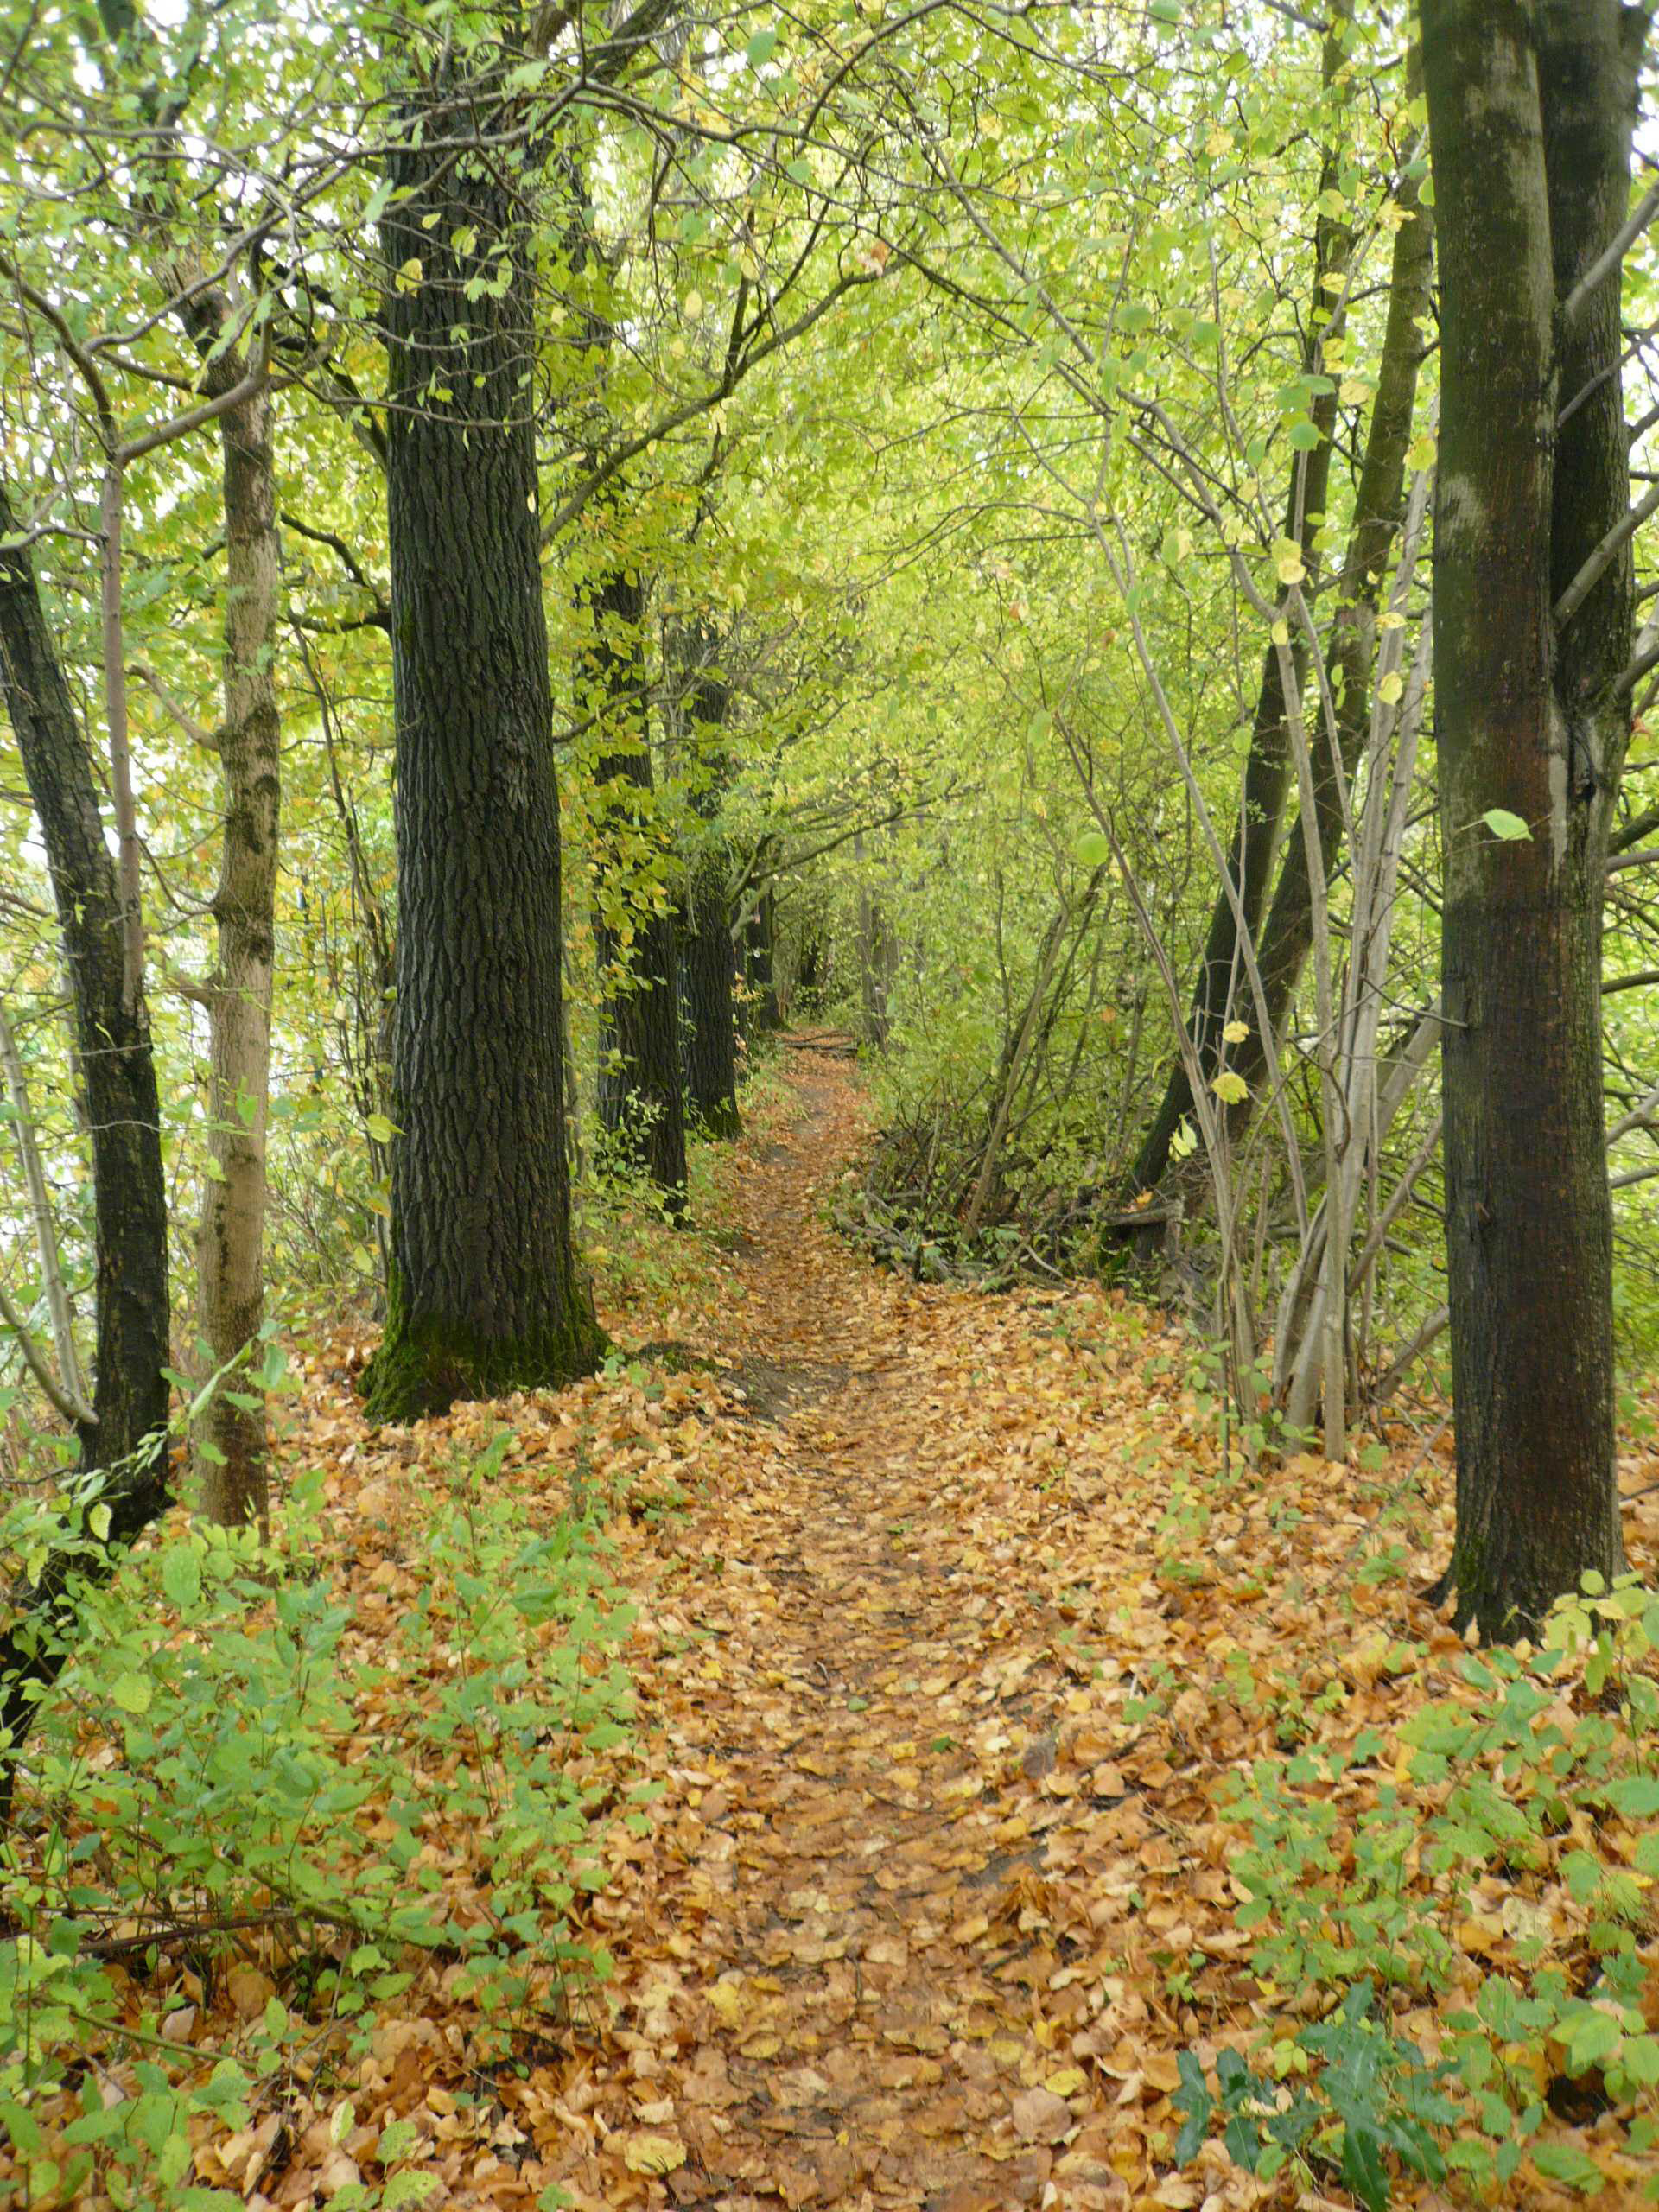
{"x": 220, "y": 1774}
{"x": 1543, "y": 1779}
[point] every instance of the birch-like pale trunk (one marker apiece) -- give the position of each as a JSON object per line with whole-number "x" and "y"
{"x": 230, "y": 1443}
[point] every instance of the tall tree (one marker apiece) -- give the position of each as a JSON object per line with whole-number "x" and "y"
{"x": 126, "y": 1437}
{"x": 1531, "y": 111}
{"x": 709, "y": 952}
{"x": 485, "y": 1294}
{"x": 229, "y": 1442}
{"x": 641, "y": 1094}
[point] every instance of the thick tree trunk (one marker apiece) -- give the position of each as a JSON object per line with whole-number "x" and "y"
{"x": 708, "y": 954}
{"x": 1530, "y": 111}
{"x": 641, "y": 1101}
{"x": 230, "y": 1443}
{"x": 485, "y": 1294}
{"x": 126, "y": 1439}
{"x": 1266, "y": 768}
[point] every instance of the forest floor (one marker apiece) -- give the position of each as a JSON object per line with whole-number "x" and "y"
{"x": 954, "y": 1628}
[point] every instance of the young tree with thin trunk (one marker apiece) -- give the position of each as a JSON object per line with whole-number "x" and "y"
{"x": 1530, "y": 113}
{"x": 1239, "y": 904}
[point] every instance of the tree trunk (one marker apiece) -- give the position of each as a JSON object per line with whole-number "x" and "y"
{"x": 229, "y": 1443}
{"x": 1530, "y": 113}
{"x": 126, "y": 1439}
{"x": 708, "y": 955}
{"x": 641, "y": 1101}
{"x": 484, "y": 1294}
{"x": 1266, "y": 768}
{"x": 764, "y": 1015}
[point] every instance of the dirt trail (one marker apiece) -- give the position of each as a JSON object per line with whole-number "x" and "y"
{"x": 860, "y": 2013}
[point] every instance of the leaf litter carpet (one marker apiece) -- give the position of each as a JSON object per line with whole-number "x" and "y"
{"x": 938, "y": 1676}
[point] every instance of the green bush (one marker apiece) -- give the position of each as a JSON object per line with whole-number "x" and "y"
{"x": 219, "y": 1766}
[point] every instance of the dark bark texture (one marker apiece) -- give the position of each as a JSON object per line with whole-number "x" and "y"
{"x": 126, "y": 1439}
{"x": 485, "y": 1294}
{"x": 641, "y": 1102}
{"x": 1531, "y": 114}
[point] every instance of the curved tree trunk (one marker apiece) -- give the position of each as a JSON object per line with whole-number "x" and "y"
{"x": 126, "y": 1439}
{"x": 484, "y": 1293}
{"x": 1530, "y": 113}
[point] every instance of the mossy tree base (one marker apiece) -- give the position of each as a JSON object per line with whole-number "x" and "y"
{"x": 720, "y": 1121}
{"x": 423, "y": 1367}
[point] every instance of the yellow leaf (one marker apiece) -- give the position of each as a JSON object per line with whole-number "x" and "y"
{"x": 1236, "y": 1032}
{"x": 1390, "y": 687}
{"x": 1230, "y": 1089}
{"x": 727, "y": 2000}
{"x": 653, "y": 2154}
{"x": 1066, "y": 2083}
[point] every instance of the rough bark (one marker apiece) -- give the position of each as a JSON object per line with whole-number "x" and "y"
{"x": 484, "y": 1293}
{"x": 1530, "y": 111}
{"x": 126, "y": 1439}
{"x": 1266, "y": 768}
{"x": 641, "y": 1101}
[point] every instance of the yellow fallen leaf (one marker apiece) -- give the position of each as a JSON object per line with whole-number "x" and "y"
{"x": 653, "y": 2154}
{"x": 1066, "y": 2083}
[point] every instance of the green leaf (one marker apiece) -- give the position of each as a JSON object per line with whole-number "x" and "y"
{"x": 181, "y": 1575}
{"x": 380, "y": 1128}
{"x": 1093, "y": 849}
{"x": 1362, "y": 2168}
{"x": 1636, "y": 1795}
{"x": 1566, "y": 2162}
{"x": 1502, "y": 824}
{"x": 413, "y": 2186}
{"x": 758, "y": 52}
{"x": 132, "y": 1693}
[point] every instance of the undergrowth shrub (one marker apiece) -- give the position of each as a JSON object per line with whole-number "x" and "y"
{"x": 242, "y": 1786}
{"x": 1368, "y": 1880}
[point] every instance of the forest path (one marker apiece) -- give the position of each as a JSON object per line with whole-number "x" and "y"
{"x": 843, "y": 1974}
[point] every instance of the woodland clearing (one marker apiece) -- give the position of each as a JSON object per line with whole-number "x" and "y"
{"x": 948, "y": 1628}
